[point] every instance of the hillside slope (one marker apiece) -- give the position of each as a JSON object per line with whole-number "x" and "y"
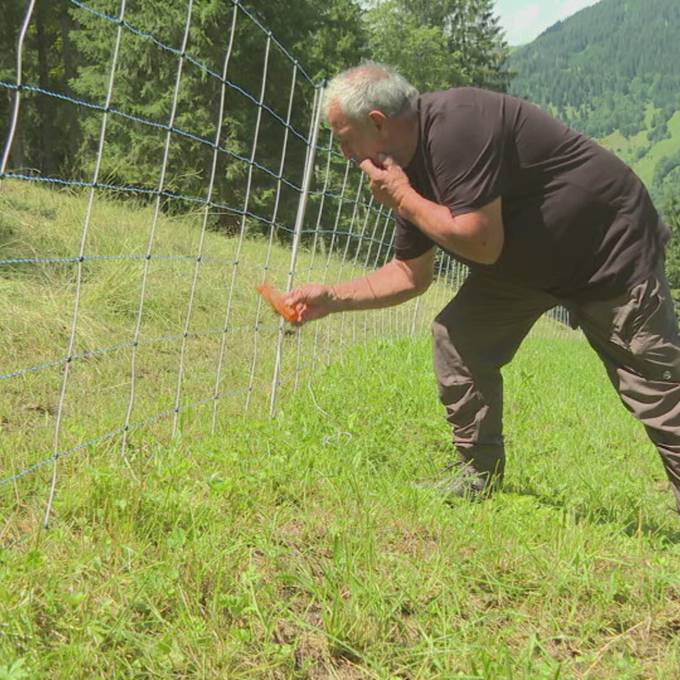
{"x": 611, "y": 71}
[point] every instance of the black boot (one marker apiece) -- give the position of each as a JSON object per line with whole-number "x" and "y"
{"x": 461, "y": 480}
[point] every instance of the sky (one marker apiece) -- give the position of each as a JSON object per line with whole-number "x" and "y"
{"x": 523, "y": 20}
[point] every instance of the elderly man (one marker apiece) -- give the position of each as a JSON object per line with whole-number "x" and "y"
{"x": 542, "y": 216}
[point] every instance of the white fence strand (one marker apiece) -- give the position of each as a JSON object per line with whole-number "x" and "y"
{"x": 294, "y": 211}
{"x": 79, "y": 275}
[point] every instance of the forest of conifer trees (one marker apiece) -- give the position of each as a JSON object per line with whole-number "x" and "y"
{"x": 579, "y": 68}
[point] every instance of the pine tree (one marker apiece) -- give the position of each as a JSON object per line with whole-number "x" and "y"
{"x": 47, "y": 131}
{"x": 439, "y": 44}
{"x": 609, "y": 62}
{"x": 328, "y": 35}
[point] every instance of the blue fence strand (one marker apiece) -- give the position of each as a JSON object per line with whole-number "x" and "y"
{"x": 216, "y": 208}
{"x": 153, "y": 124}
{"x": 65, "y": 453}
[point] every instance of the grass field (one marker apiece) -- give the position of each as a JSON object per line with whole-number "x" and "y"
{"x": 38, "y": 303}
{"x": 299, "y": 547}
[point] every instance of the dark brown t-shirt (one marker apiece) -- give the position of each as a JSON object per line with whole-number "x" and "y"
{"x": 578, "y": 222}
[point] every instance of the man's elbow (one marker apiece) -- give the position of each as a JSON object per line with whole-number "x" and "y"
{"x": 484, "y": 243}
{"x": 490, "y": 251}
{"x": 482, "y": 232}
{"x": 422, "y": 279}
{"x": 417, "y": 285}
{"x": 417, "y": 273}
{"x": 421, "y": 287}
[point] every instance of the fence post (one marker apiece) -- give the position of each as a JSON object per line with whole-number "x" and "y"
{"x": 299, "y": 223}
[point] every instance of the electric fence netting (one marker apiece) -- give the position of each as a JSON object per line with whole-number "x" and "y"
{"x": 140, "y": 262}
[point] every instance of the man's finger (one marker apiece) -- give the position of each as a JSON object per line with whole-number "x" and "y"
{"x": 370, "y": 168}
{"x": 387, "y": 161}
{"x": 294, "y": 297}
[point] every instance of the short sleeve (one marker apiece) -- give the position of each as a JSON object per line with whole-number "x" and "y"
{"x": 466, "y": 149}
{"x": 409, "y": 241}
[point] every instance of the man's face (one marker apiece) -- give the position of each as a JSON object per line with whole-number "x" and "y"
{"x": 357, "y": 141}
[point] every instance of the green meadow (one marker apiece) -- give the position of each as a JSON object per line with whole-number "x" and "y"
{"x": 299, "y": 547}
{"x": 641, "y": 153}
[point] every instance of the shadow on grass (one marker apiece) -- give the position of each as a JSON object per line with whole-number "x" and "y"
{"x": 628, "y": 521}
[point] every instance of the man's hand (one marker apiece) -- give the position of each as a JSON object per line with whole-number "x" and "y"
{"x": 389, "y": 184}
{"x": 312, "y": 301}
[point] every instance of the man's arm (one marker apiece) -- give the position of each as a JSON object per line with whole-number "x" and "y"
{"x": 477, "y": 236}
{"x": 392, "y": 284}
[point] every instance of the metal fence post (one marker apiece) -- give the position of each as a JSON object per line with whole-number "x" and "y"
{"x": 299, "y": 223}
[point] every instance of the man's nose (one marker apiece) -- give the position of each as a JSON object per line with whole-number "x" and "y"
{"x": 346, "y": 152}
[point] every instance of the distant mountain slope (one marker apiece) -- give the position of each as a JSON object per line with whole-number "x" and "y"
{"x": 613, "y": 71}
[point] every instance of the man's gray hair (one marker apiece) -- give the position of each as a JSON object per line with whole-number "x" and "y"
{"x": 368, "y": 87}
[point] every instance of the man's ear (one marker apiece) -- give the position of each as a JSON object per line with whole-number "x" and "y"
{"x": 379, "y": 119}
